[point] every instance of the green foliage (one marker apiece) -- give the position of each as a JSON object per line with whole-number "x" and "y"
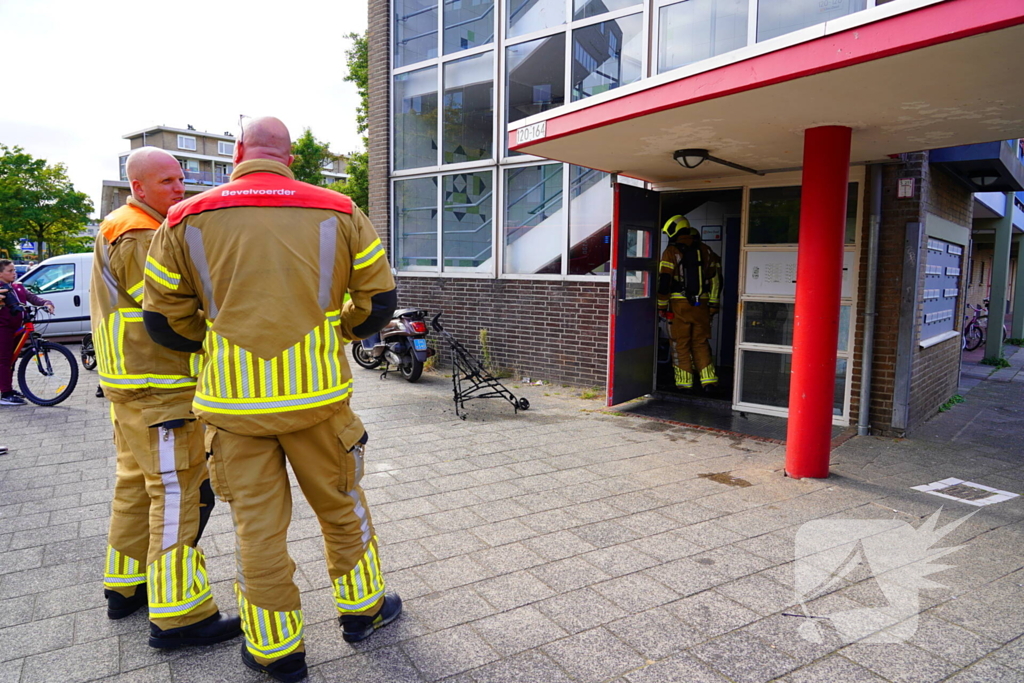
{"x": 1015, "y": 341}
{"x": 1000, "y": 362}
{"x": 310, "y": 156}
{"x": 589, "y": 394}
{"x": 953, "y": 400}
{"x": 38, "y": 202}
{"x": 358, "y": 168}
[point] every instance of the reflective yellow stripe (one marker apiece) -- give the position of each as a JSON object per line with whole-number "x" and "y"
{"x": 269, "y": 634}
{"x": 152, "y": 381}
{"x": 136, "y": 291}
{"x": 363, "y": 586}
{"x": 178, "y": 582}
{"x": 258, "y": 406}
{"x": 708, "y": 376}
{"x": 716, "y": 287}
{"x": 161, "y": 275}
{"x": 684, "y": 378}
{"x": 668, "y": 264}
{"x": 368, "y": 256}
{"x": 122, "y": 570}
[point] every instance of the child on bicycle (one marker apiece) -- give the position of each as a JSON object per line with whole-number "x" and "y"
{"x": 12, "y": 296}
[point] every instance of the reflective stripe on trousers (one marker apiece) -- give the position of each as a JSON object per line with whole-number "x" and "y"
{"x": 177, "y": 582}
{"x": 269, "y": 634}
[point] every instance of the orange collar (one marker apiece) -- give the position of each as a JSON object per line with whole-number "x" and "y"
{"x": 131, "y": 216}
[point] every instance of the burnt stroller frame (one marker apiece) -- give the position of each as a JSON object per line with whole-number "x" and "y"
{"x": 470, "y": 379}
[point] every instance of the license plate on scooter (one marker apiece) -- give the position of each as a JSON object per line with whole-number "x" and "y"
{"x": 419, "y": 344}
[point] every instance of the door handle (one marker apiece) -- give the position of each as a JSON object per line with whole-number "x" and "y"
{"x": 78, "y": 300}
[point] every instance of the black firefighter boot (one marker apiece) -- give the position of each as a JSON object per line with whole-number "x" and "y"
{"x": 356, "y": 627}
{"x": 213, "y": 629}
{"x": 119, "y": 607}
{"x": 288, "y": 669}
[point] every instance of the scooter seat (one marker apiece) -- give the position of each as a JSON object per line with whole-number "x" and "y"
{"x": 409, "y": 311}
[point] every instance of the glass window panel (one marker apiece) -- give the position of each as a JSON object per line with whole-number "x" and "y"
{"x": 767, "y": 322}
{"x": 527, "y": 16}
{"x": 638, "y": 244}
{"x": 581, "y": 9}
{"x": 844, "y": 327}
{"x": 839, "y": 397}
{"x": 775, "y": 215}
{"x": 467, "y": 24}
{"x": 590, "y": 221}
{"x": 606, "y": 55}
{"x": 416, "y": 224}
{"x": 777, "y": 17}
{"x": 468, "y": 109}
{"x": 765, "y": 378}
{"x": 698, "y": 29}
{"x": 51, "y": 279}
{"x": 534, "y": 220}
{"x": 536, "y": 76}
{"x": 415, "y": 126}
{"x": 466, "y": 221}
{"x": 638, "y": 284}
{"x": 415, "y": 31}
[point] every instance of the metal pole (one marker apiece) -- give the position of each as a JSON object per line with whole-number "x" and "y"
{"x": 1000, "y": 280}
{"x": 819, "y": 279}
{"x": 1017, "y": 326}
{"x": 867, "y": 350}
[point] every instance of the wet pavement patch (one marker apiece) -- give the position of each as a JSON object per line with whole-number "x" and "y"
{"x": 725, "y": 478}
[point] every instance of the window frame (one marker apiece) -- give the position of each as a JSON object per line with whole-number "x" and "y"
{"x": 221, "y": 145}
{"x": 182, "y": 137}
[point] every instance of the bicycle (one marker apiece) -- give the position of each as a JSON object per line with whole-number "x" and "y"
{"x": 47, "y": 371}
{"x": 976, "y": 327}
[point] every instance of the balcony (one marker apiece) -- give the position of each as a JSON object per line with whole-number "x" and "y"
{"x": 986, "y": 167}
{"x": 205, "y": 178}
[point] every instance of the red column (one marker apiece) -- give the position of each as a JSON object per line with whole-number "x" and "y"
{"x": 819, "y": 278}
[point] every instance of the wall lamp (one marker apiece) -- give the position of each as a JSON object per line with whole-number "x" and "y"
{"x": 692, "y": 158}
{"x": 985, "y": 178}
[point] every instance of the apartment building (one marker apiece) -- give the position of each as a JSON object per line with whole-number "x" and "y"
{"x": 205, "y": 158}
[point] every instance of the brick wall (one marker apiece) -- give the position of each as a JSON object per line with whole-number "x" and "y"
{"x": 379, "y": 34}
{"x": 555, "y": 331}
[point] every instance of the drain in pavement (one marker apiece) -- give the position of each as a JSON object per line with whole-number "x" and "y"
{"x": 965, "y": 492}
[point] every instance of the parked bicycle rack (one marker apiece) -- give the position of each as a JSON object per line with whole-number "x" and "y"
{"x": 470, "y": 379}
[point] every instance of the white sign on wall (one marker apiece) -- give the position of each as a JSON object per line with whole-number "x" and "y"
{"x": 531, "y": 133}
{"x": 774, "y": 273}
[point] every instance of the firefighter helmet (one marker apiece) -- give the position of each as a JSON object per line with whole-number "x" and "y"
{"x": 678, "y": 226}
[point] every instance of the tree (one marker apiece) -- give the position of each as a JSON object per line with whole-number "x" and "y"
{"x": 358, "y": 168}
{"x": 310, "y": 157}
{"x": 38, "y": 201}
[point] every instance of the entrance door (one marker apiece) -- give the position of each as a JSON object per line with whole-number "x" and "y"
{"x": 633, "y": 320}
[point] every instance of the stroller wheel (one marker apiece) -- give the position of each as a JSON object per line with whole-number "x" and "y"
{"x": 524, "y": 404}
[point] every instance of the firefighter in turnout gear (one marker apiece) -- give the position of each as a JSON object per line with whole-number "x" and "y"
{"x": 689, "y": 287}
{"x": 162, "y": 494}
{"x": 256, "y": 272}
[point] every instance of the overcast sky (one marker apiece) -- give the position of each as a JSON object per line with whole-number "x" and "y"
{"x": 78, "y": 75}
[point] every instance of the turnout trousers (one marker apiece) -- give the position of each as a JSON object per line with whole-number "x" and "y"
{"x": 162, "y": 499}
{"x": 690, "y": 330}
{"x": 249, "y": 472}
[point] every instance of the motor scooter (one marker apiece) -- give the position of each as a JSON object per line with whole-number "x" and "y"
{"x": 402, "y": 343}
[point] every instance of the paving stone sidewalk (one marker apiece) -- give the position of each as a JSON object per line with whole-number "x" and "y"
{"x": 561, "y": 544}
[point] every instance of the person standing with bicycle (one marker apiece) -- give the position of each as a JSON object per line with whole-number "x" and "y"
{"x": 162, "y": 494}
{"x": 12, "y": 296}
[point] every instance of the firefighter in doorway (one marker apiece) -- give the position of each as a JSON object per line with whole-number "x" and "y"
{"x": 689, "y": 287}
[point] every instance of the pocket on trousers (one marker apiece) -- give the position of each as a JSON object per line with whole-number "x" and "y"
{"x": 214, "y": 462}
{"x": 350, "y": 470}
{"x": 172, "y": 446}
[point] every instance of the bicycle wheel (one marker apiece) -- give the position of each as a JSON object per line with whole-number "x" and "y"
{"x": 47, "y": 374}
{"x": 973, "y": 337}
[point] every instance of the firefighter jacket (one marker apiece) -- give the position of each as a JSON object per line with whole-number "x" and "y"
{"x": 691, "y": 272}
{"x": 130, "y": 364}
{"x": 269, "y": 259}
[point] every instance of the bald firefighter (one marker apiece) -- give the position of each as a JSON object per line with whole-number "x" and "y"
{"x": 689, "y": 287}
{"x": 162, "y": 495}
{"x": 270, "y": 260}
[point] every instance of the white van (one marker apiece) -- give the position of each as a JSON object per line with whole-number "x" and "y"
{"x": 64, "y": 280}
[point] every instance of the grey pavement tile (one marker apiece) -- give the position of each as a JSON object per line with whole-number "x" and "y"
{"x": 449, "y": 608}
{"x": 97, "y": 659}
{"x": 636, "y": 592}
{"x": 407, "y": 582}
{"x": 1011, "y": 654}
{"x": 540, "y": 502}
{"x": 506, "y": 531}
{"x": 656, "y": 633}
{"x": 43, "y": 536}
{"x": 63, "y": 552}
{"x": 10, "y": 672}
{"x": 213, "y": 664}
{"x": 744, "y": 658}
{"x": 649, "y": 522}
{"x": 955, "y": 644}
{"x": 593, "y": 511}
{"x": 618, "y": 560}
{"x": 5, "y": 541}
{"x": 550, "y": 521}
{"x": 44, "y": 635}
{"x": 453, "y": 520}
{"x": 1000, "y": 622}
{"x": 711, "y": 613}
{"x": 75, "y": 598}
{"x": 678, "y": 668}
{"x": 449, "y": 652}
{"x": 899, "y": 662}
{"x": 804, "y": 640}
{"x": 569, "y": 574}
{"x": 18, "y": 522}
{"x": 397, "y": 531}
{"x": 507, "y": 558}
{"x": 710, "y": 534}
{"x": 93, "y": 624}
{"x": 405, "y": 554}
{"x": 832, "y": 669}
{"x": 558, "y": 545}
{"x": 417, "y": 507}
{"x": 20, "y": 560}
{"x": 443, "y": 546}
{"x": 593, "y": 655}
{"x": 158, "y": 673}
{"x": 687, "y": 577}
{"x": 986, "y": 671}
{"x": 500, "y": 510}
{"x": 513, "y": 590}
{"x": 98, "y": 510}
{"x": 500, "y": 491}
{"x": 580, "y": 610}
{"x": 604, "y": 534}
{"x": 732, "y": 561}
{"x": 777, "y": 546}
{"x": 531, "y": 666}
{"x": 384, "y": 665}
{"x": 517, "y": 630}
{"x": 759, "y": 593}
{"x": 453, "y": 572}
{"x": 667, "y": 546}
